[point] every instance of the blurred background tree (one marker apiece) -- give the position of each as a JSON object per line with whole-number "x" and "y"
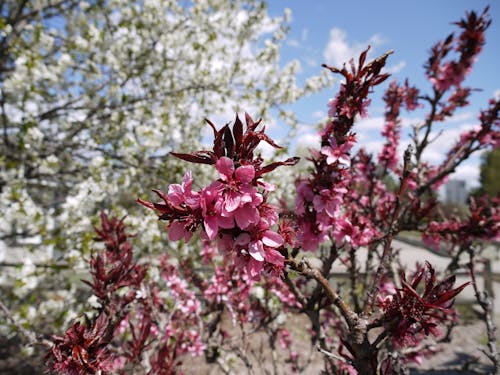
{"x": 93, "y": 97}
{"x": 489, "y": 175}
{"x": 95, "y": 94}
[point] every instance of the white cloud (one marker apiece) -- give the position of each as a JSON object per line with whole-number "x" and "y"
{"x": 461, "y": 117}
{"x": 319, "y": 114}
{"x": 396, "y": 68}
{"x": 496, "y": 94}
{"x": 311, "y": 62}
{"x": 441, "y": 142}
{"x": 307, "y": 137}
{"x": 266, "y": 150}
{"x": 305, "y": 34}
{"x": 293, "y": 43}
{"x": 377, "y": 123}
{"x": 306, "y": 142}
{"x": 372, "y": 147}
{"x": 469, "y": 173}
{"x": 369, "y": 123}
{"x": 339, "y": 50}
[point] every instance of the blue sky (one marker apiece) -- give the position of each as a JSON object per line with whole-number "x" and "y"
{"x": 331, "y": 31}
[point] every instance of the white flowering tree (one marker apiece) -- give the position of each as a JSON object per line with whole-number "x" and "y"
{"x": 93, "y": 97}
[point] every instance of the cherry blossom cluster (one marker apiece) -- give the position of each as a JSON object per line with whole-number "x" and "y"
{"x": 486, "y": 134}
{"x": 320, "y": 196}
{"x": 444, "y": 74}
{"x": 483, "y": 222}
{"x": 232, "y": 210}
{"x": 395, "y": 97}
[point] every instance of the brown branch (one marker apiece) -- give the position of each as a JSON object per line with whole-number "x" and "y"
{"x": 57, "y": 266}
{"x": 420, "y": 146}
{"x": 353, "y": 276}
{"x": 307, "y": 270}
{"x": 296, "y": 292}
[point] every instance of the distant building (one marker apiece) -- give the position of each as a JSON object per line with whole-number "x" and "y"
{"x": 456, "y": 192}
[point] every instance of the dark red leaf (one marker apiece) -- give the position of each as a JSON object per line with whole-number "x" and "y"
{"x": 270, "y": 167}
{"x": 445, "y": 297}
{"x": 362, "y": 57}
{"x": 219, "y": 149}
{"x": 251, "y": 125}
{"x": 200, "y": 157}
{"x": 238, "y": 133}
{"x": 229, "y": 142}
{"x": 212, "y": 126}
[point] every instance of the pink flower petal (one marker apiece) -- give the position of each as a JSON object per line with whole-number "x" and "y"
{"x": 225, "y": 222}
{"x": 225, "y": 166}
{"x": 254, "y": 268}
{"x": 275, "y": 257}
{"x": 211, "y": 227}
{"x": 256, "y": 251}
{"x": 272, "y": 239}
{"x": 243, "y": 239}
{"x": 187, "y": 182}
{"x": 245, "y": 173}
{"x": 246, "y": 215}
{"x": 345, "y": 160}
{"x": 232, "y": 201}
{"x": 175, "y": 194}
{"x": 176, "y": 231}
{"x": 267, "y": 186}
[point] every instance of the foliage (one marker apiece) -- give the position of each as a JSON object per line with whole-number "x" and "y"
{"x": 490, "y": 173}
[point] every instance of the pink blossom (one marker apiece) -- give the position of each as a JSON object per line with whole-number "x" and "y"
{"x": 328, "y": 201}
{"x": 338, "y": 154}
{"x": 179, "y": 195}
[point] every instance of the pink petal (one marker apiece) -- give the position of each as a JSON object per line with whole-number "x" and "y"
{"x": 175, "y": 194}
{"x": 245, "y": 173}
{"x": 176, "y": 231}
{"x": 232, "y": 201}
{"x": 242, "y": 239}
{"x": 327, "y": 151}
{"x": 246, "y": 215}
{"x": 272, "y": 239}
{"x": 225, "y": 244}
{"x": 257, "y": 199}
{"x": 225, "y": 166}
{"x": 345, "y": 160}
{"x": 254, "y": 267}
{"x": 256, "y": 251}
{"x": 211, "y": 226}
{"x": 193, "y": 201}
{"x": 225, "y": 222}
{"x": 267, "y": 186}
{"x": 275, "y": 257}
{"x": 187, "y": 182}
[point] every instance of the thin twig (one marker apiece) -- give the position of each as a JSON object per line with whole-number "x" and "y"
{"x": 32, "y": 338}
{"x": 391, "y": 231}
{"x": 486, "y": 305}
{"x": 333, "y": 355}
